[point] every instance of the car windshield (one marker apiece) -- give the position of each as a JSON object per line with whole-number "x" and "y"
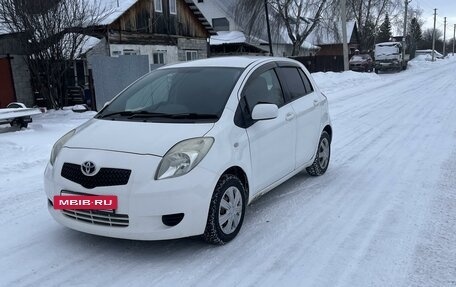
{"x": 175, "y": 94}
{"x": 359, "y": 58}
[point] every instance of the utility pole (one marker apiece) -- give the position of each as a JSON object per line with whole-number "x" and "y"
{"x": 405, "y": 28}
{"x": 444, "y": 37}
{"x": 268, "y": 27}
{"x": 344, "y": 34}
{"x": 433, "y": 37}
{"x": 454, "y": 35}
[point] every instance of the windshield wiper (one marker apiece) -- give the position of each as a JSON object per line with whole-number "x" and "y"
{"x": 146, "y": 114}
{"x": 194, "y": 116}
{"x": 122, "y": 113}
{"x": 131, "y": 114}
{"x": 174, "y": 116}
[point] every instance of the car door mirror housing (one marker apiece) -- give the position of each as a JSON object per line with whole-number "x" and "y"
{"x": 265, "y": 112}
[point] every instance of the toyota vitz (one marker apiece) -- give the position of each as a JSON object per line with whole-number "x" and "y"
{"x": 188, "y": 146}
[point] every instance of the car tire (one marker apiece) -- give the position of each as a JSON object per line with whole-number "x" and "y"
{"x": 19, "y": 123}
{"x": 322, "y": 156}
{"x": 228, "y": 201}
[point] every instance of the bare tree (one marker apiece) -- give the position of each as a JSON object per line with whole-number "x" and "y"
{"x": 297, "y": 17}
{"x": 369, "y": 14}
{"x": 51, "y": 32}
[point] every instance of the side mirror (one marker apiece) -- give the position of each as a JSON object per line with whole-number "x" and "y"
{"x": 265, "y": 112}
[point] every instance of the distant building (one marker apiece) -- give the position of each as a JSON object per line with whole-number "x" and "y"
{"x": 330, "y": 40}
{"x": 232, "y": 38}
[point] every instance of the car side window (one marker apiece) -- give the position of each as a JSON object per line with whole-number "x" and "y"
{"x": 295, "y": 85}
{"x": 264, "y": 88}
{"x": 307, "y": 84}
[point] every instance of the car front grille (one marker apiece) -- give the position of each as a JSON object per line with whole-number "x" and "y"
{"x": 98, "y": 217}
{"x": 104, "y": 177}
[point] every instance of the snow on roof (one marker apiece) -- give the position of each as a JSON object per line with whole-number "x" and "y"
{"x": 326, "y": 36}
{"x": 428, "y": 51}
{"x": 113, "y": 8}
{"x": 285, "y": 39}
{"x": 228, "y": 37}
{"x": 89, "y": 43}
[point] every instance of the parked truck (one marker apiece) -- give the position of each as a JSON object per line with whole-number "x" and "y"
{"x": 390, "y": 56}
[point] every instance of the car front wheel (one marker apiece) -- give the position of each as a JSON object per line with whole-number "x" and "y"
{"x": 226, "y": 212}
{"x": 322, "y": 157}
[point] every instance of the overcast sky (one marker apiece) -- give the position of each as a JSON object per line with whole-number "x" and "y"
{"x": 445, "y": 8}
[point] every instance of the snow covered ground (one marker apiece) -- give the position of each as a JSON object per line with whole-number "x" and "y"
{"x": 383, "y": 215}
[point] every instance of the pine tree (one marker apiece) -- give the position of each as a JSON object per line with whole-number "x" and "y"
{"x": 384, "y": 33}
{"x": 415, "y": 36}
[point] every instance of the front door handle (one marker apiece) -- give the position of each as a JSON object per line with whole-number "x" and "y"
{"x": 290, "y": 116}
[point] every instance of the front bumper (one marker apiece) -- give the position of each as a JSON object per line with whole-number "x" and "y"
{"x": 387, "y": 66}
{"x": 144, "y": 200}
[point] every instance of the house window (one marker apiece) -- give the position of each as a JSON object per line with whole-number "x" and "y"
{"x": 172, "y": 7}
{"x": 159, "y": 57}
{"x": 131, "y": 52}
{"x": 221, "y": 24}
{"x": 158, "y": 5}
{"x": 191, "y": 55}
{"x": 200, "y": 1}
{"x": 116, "y": 53}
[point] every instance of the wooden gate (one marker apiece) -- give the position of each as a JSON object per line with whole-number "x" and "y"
{"x": 7, "y": 92}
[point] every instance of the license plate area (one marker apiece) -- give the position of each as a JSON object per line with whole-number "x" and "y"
{"x": 81, "y": 201}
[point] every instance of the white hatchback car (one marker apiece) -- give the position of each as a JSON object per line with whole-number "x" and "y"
{"x": 188, "y": 146}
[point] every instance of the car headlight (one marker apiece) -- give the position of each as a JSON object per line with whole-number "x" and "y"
{"x": 59, "y": 144}
{"x": 183, "y": 157}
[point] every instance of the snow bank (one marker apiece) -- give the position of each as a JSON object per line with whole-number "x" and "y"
{"x": 330, "y": 82}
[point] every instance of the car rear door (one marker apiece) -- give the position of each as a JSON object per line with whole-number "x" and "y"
{"x": 306, "y": 105}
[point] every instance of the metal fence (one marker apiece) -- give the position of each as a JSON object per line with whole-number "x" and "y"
{"x": 112, "y": 75}
{"x": 322, "y": 63}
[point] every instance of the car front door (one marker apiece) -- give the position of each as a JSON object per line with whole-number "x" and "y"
{"x": 272, "y": 142}
{"x": 306, "y": 105}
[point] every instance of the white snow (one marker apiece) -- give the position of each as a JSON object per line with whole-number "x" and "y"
{"x": 228, "y": 37}
{"x": 383, "y": 215}
{"x": 88, "y": 43}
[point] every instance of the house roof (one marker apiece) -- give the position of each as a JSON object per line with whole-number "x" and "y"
{"x": 326, "y": 36}
{"x": 200, "y": 17}
{"x": 116, "y": 8}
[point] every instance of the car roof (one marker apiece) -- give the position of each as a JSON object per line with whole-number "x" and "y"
{"x": 232, "y": 61}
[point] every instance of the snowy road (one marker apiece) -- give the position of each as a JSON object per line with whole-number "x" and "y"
{"x": 383, "y": 215}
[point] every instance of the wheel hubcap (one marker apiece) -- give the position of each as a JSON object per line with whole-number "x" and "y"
{"x": 323, "y": 153}
{"x": 230, "y": 210}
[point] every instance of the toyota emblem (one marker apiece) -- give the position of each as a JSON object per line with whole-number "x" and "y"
{"x": 88, "y": 168}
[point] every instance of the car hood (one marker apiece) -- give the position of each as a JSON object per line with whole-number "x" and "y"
{"x": 358, "y": 62}
{"x": 135, "y": 137}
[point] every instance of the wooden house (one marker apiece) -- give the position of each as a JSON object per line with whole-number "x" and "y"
{"x": 167, "y": 31}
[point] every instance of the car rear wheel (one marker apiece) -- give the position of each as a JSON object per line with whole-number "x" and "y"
{"x": 322, "y": 157}
{"x": 226, "y": 212}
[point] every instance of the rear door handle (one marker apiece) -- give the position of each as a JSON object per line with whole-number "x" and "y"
{"x": 315, "y": 102}
{"x": 290, "y": 116}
